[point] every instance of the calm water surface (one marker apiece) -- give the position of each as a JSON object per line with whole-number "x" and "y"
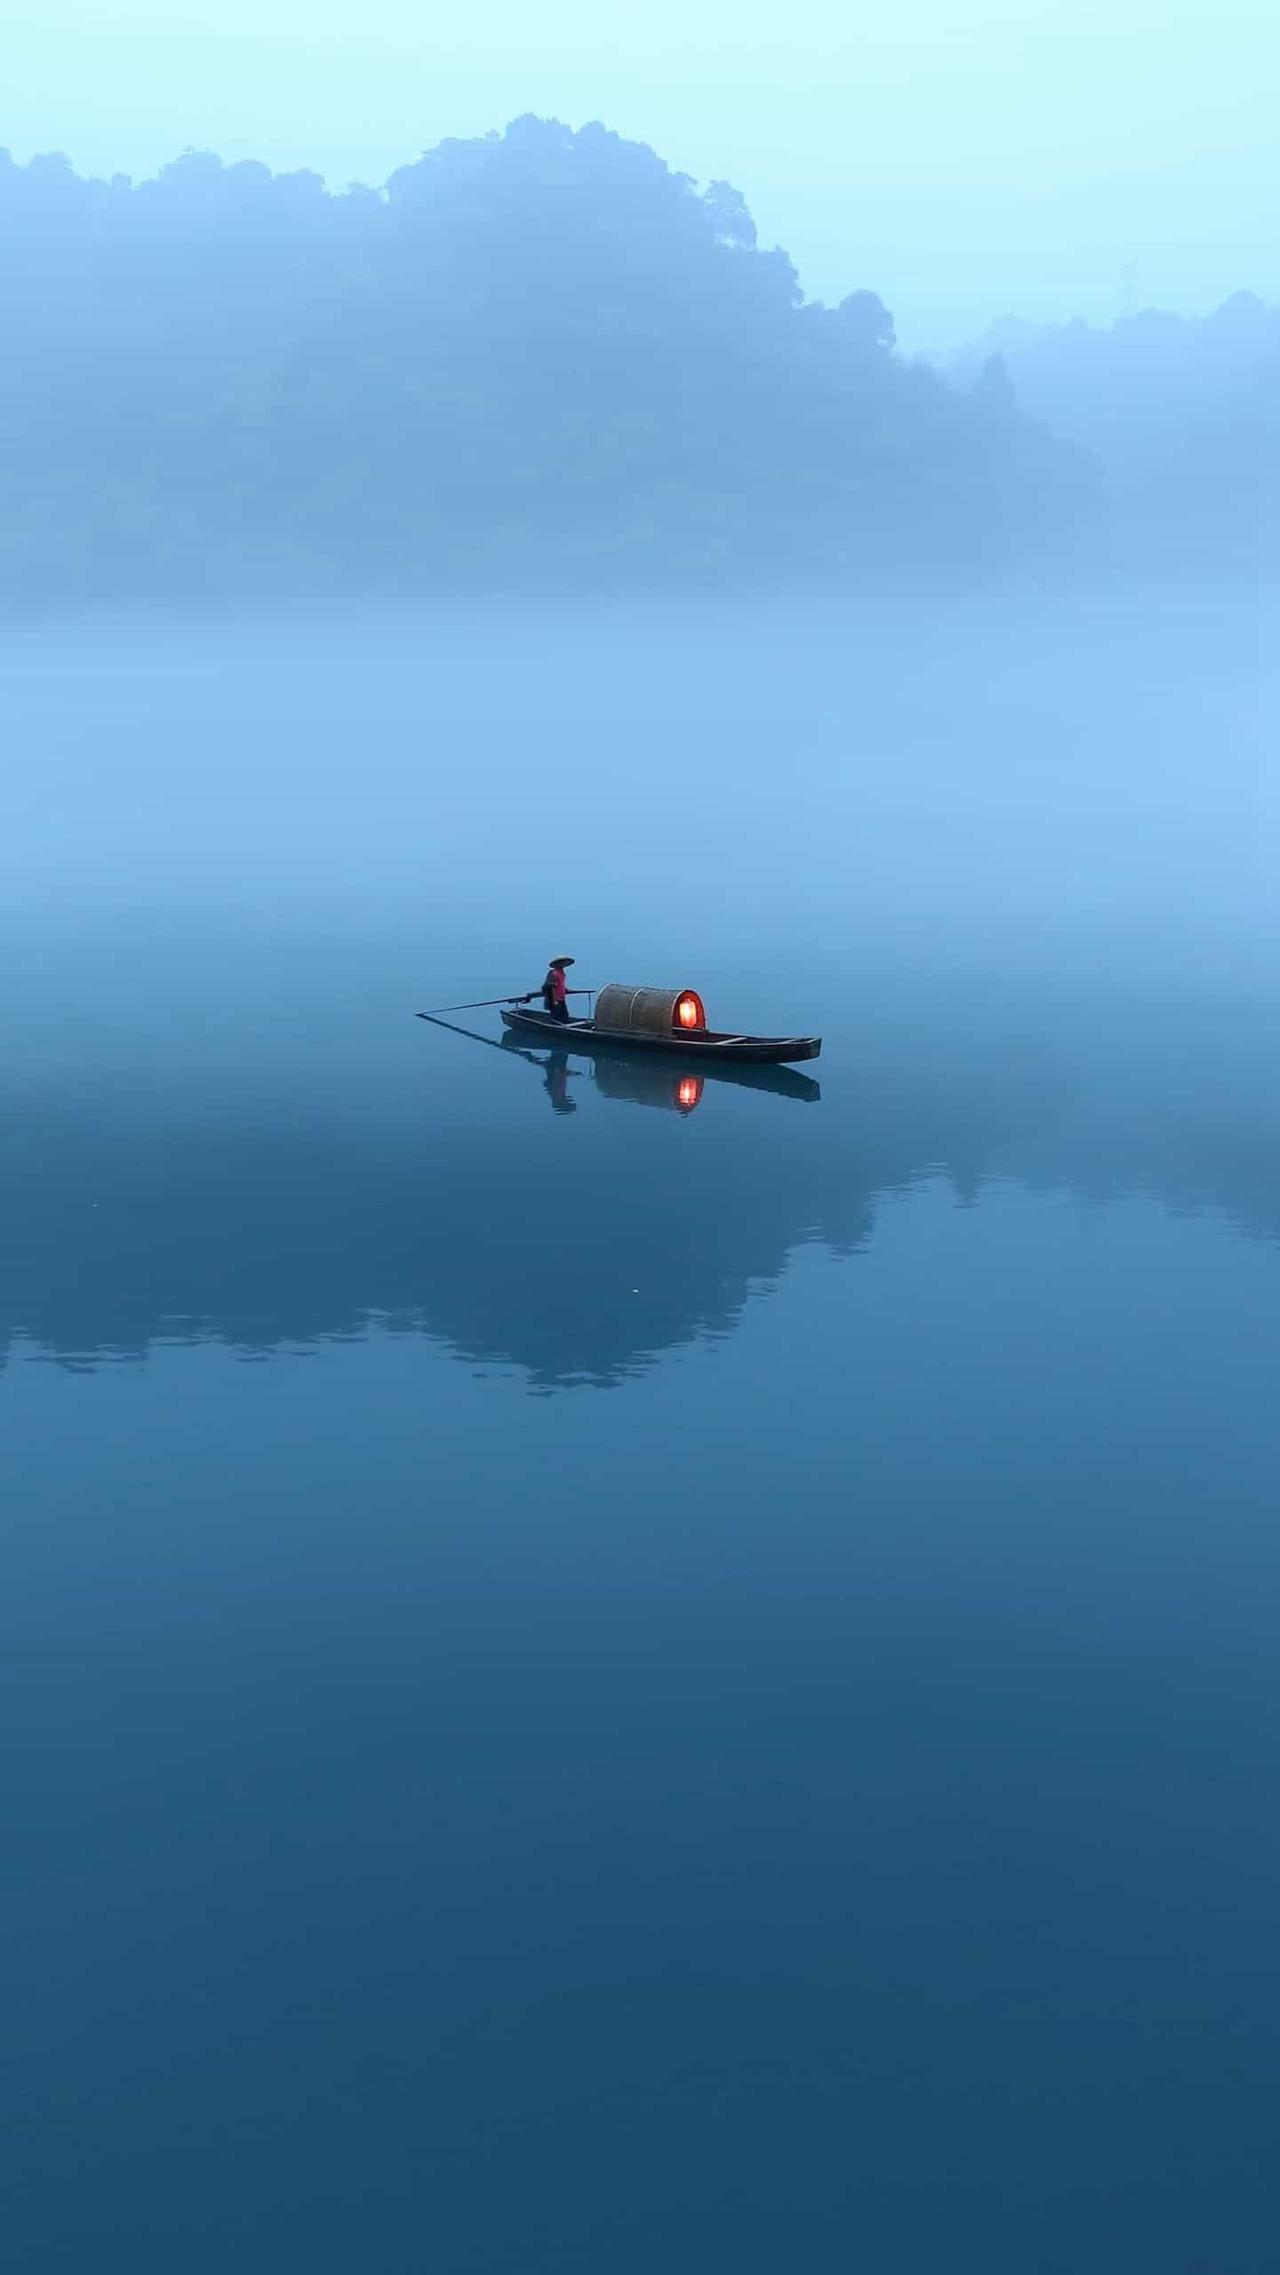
{"x": 606, "y": 1681}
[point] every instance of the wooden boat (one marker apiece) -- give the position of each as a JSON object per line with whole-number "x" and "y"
{"x": 670, "y": 1020}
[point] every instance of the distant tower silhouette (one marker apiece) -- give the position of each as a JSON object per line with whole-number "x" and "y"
{"x": 1129, "y": 288}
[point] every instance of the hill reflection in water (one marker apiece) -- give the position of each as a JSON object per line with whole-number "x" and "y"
{"x": 426, "y": 1186}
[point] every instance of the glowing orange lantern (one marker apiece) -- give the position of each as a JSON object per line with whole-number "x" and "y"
{"x": 689, "y": 1011}
{"x": 688, "y": 1092}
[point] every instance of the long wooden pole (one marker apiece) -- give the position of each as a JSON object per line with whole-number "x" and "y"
{"x": 470, "y": 1033}
{"x": 491, "y": 1002}
{"x": 508, "y": 1050}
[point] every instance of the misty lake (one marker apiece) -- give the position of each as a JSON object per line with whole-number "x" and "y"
{"x": 603, "y": 1683}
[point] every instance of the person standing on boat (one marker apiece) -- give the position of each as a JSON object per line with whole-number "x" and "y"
{"x": 555, "y": 993}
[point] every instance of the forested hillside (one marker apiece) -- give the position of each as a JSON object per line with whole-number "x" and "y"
{"x": 538, "y": 357}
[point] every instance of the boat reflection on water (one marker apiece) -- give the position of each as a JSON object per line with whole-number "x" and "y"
{"x": 653, "y": 1080}
{"x": 644, "y": 1083}
{"x": 556, "y": 1083}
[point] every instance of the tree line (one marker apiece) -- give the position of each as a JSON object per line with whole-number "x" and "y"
{"x": 1182, "y": 413}
{"x": 537, "y": 357}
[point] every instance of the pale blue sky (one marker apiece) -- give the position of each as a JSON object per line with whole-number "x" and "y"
{"x": 963, "y": 160}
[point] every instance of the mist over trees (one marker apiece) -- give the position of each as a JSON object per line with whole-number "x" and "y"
{"x": 1182, "y": 413}
{"x": 536, "y": 357}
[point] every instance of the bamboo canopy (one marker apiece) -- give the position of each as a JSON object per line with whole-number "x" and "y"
{"x": 649, "y": 1010}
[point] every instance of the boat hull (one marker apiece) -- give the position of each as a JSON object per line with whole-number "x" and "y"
{"x": 708, "y": 1048}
